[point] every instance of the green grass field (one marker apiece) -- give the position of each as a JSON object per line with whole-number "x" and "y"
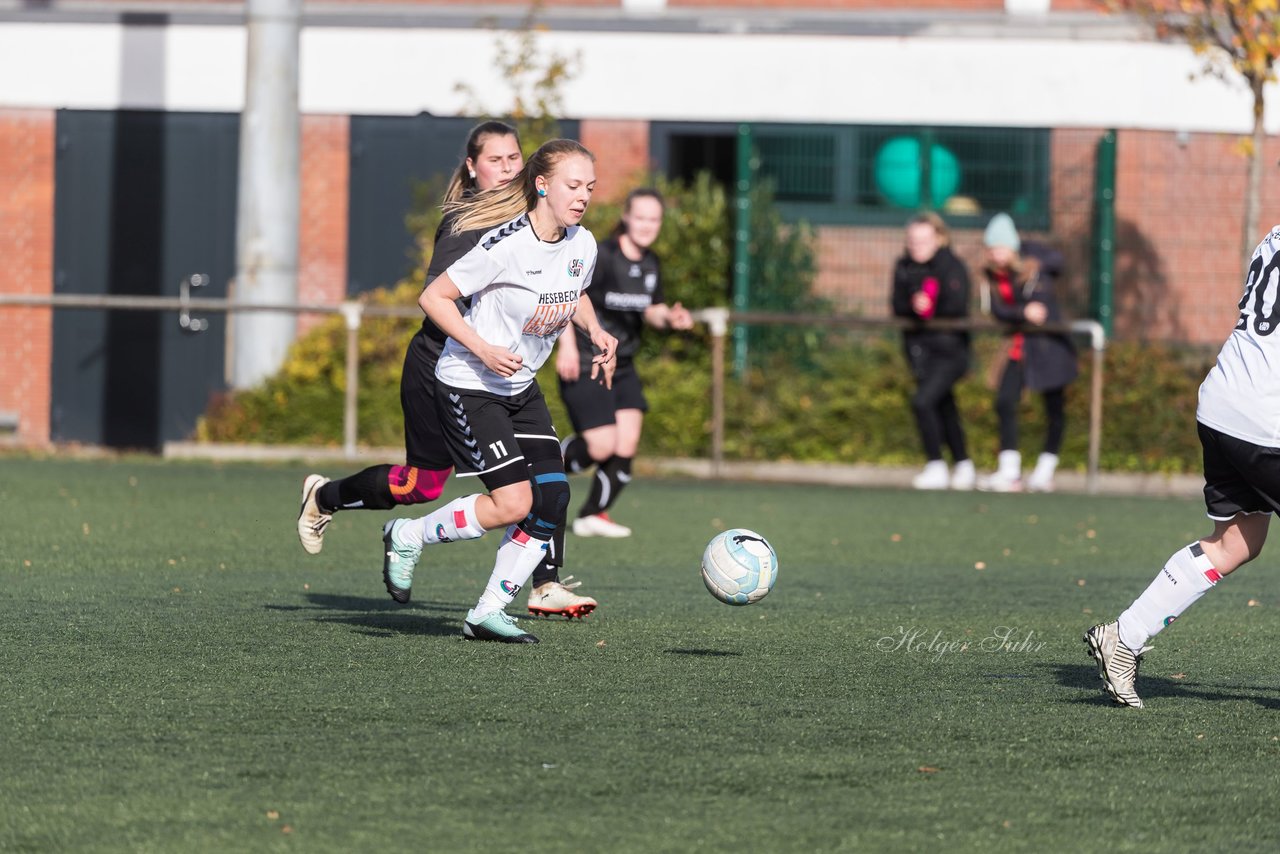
{"x": 178, "y": 675}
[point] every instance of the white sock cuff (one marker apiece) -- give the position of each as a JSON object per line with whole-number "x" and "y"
{"x": 1193, "y": 565}
{"x": 469, "y": 529}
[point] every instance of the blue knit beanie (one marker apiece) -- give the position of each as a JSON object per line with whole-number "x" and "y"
{"x": 1002, "y": 232}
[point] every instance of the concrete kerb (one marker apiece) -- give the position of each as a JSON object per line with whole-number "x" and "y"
{"x": 829, "y": 474}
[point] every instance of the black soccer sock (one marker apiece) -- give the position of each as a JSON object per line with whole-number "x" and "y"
{"x": 549, "y": 569}
{"x": 609, "y": 479}
{"x": 365, "y": 490}
{"x": 576, "y": 457}
{"x": 618, "y": 470}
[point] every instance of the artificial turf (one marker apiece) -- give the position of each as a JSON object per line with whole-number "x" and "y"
{"x": 177, "y": 675}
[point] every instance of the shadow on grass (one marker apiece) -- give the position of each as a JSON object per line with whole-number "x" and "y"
{"x": 705, "y": 653}
{"x": 1151, "y": 687}
{"x": 378, "y": 616}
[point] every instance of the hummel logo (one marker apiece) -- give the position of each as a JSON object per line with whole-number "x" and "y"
{"x": 533, "y": 272}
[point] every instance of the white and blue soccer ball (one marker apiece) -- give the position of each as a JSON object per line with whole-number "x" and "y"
{"x": 739, "y": 566}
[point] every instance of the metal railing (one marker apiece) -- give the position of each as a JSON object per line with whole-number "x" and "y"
{"x": 717, "y": 320}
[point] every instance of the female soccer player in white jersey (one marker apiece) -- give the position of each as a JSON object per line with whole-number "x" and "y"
{"x": 525, "y": 279}
{"x": 492, "y": 159}
{"x": 1238, "y": 419}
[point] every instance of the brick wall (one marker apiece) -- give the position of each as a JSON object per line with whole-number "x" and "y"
{"x": 1180, "y": 244}
{"x": 26, "y": 245}
{"x": 622, "y": 154}
{"x": 322, "y": 226}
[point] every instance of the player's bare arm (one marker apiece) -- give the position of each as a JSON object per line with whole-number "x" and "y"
{"x": 607, "y": 359}
{"x": 437, "y": 301}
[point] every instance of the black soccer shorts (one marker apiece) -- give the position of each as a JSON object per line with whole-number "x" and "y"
{"x": 424, "y": 441}
{"x": 492, "y": 436}
{"x": 590, "y": 404}
{"x": 1239, "y": 476}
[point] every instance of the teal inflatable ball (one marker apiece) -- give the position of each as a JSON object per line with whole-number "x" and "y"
{"x": 898, "y": 173}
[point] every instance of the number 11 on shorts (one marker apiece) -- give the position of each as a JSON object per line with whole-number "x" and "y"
{"x": 499, "y": 450}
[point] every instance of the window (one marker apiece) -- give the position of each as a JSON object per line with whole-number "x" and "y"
{"x": 876, "y": 174}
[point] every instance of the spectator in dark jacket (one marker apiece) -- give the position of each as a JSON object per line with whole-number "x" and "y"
{"x": 1022, "y": 276}
{"x": 930, "y": 282}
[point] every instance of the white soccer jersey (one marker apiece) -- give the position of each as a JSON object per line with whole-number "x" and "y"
{"x": 523, "y": 293}
{"x": 1241, "y": 394}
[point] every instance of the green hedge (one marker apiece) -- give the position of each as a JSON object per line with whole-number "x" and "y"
{"x": 849, "y": 403}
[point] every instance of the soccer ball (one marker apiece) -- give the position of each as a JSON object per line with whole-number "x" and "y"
{"x": 739, "y": 566}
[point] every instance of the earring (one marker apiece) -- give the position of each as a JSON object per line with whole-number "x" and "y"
{"x": 472, "y": 173}
{"x": 542, "y": 192}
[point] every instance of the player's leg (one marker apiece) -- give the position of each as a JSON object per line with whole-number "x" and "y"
{"x": 1242, "y": 490}
{"x": 1055, "y": 413}
{"x": 933, "y": 386}
{"x": 536, "y": 504}
{"x": 1008, "y": 473}
{"x": 613, "y": 446}
{"x": 591, "y": 408}
{"x": 427, "y": 461}
{"x": 476, "y": 432}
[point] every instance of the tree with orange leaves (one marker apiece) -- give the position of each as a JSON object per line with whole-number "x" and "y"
{"x": 1232, "y": 35}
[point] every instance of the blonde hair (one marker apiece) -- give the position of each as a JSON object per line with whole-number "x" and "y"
{"x": 938, "y": 223}
{"x": 463, "y": 180}
{"x": 518, "y": 196}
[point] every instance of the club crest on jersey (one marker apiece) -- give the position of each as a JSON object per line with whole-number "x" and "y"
{"x": 575, "y": 268}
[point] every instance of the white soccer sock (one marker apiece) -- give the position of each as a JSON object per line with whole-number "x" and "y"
{"x": 517, "y": 558}
{"x": 454, "y": 521}
{"x": 1187, "y": 576}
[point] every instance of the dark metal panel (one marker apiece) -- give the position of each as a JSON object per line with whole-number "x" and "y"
{"x": 142, "y": 200}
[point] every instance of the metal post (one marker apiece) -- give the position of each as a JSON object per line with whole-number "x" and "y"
{"x": 1102, "y": 294}
{"x": 742, "y": 246}
{"x": 717, "y": 320}
{"x": 1098, "y": 343}
{"x": 352, "y": 313}
{"x": 267, "y": 206}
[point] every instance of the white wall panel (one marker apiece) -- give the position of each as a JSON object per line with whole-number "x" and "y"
{"x": 713, "y": 77}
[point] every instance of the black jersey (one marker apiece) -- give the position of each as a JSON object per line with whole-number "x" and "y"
{"x": 448, "y": 248}
{"x": 620, "y": 291}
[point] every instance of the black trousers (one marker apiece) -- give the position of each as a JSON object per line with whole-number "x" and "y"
{"x": 1008, "y": 398}
{"x": 934, "y": 403}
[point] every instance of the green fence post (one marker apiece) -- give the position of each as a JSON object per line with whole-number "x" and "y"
{"x": 742, "y": 248}
{"x": 1102, "y": 291}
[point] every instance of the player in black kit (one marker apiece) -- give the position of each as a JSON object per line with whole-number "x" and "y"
{"x": 626, "y": 293}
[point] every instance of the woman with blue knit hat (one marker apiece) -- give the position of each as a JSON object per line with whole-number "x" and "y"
{"x": 1022, "y": 276}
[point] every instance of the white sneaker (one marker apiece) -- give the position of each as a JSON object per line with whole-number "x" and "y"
{"x": 932, "y": 476}
{"x": 555, "y": 597}
{"x": 998, "y": 482}
{"x": 311, "y": 520}
{"x": 599, "y": 525}
{"x": 1041, "y": 479}
{"x": 964, "y": 477}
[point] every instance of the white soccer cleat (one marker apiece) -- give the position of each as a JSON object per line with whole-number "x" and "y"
{"x": 599, "y": 525}
{"x": 1117, "y": 664}
{"x": 557, "y": 598}
{"x": 933, "y": 476}
{"x": 311, "y": 519}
